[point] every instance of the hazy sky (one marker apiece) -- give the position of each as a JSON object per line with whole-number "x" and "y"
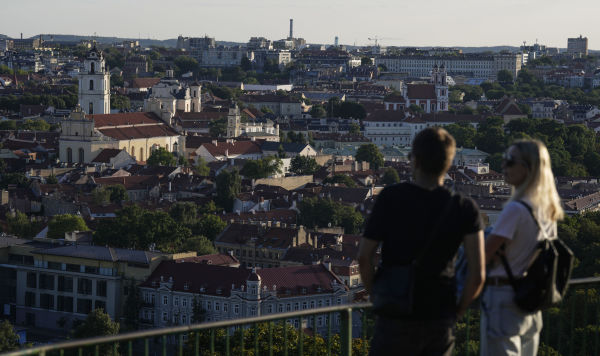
{"x": 395, "y": 22}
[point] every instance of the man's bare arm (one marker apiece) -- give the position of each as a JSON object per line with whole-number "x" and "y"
{"x": 366, "y": 261}
{"x": 474, "y": 251}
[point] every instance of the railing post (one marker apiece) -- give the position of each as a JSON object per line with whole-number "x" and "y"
{"x": 346, "y": 332}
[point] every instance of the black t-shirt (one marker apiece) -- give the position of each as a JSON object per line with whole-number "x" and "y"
{"x": 402, "y": 218}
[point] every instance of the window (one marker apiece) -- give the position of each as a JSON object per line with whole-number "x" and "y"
{"x": 296, "y": 306}
{"x": 183, "y": 319}
{"x": 236, "y": 308}
{"x": 31, "y": 280}
{"x": 91, "y": 84}
{"x": 46, "y": 281}
{"x": 339, "y": 300}
{"x": 208, "y": 305}
{"x": 84, "y": 306}
{"x": 184, "y": 302}
{"x": 101, "y": 288}
{"x": 92, "y": 67}
{"x": 29, "y": 299}
{"x": 312, "y": 304}
{"x": 288, "y": 307}
{"x": 141, "y": 153}
{"x": 46, "y": 301}
{"x": 55, "y": 265}
{"x": 69, "y": 155}
{"x": 225, "y": 307}
{"x": 304, "y": 305}
{"x": 64, "y": 304}
{"x": 280, "y": 308}
{"x": 84, "y": 286}
{"x": 73, "y": 268}
{"x": 176, "y": 301}
{"x": 217, "y": 306}
{"x": 270, "y": 309}
{"x": 165, "y": 300}
{"x": 100, "y": 305}
{"x": 91, "y": 109}
{"x": 165, "y": 316}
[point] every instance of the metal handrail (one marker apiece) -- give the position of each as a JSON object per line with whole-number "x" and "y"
{"x": 345, "y": 310}
{"x": 184, "y": 329}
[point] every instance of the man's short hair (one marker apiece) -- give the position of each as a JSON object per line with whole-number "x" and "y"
{"x": 434, "y": 149}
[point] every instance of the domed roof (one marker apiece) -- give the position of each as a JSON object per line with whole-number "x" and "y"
{"x": 254, "y": 277}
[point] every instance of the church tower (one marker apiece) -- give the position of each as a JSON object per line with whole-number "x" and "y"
{"x": 234, "y": 121}
{"x": 439, "y": 79}
{"x": 94, "y": 84}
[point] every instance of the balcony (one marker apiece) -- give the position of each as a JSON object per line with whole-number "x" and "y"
{"x": 569, "y": 329}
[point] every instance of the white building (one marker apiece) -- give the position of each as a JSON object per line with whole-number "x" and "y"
{"x": 226, "y": 293}
{"x": 169, "y": 96}
{"x": 468, "y": 65}
{"x": 94, "y": 84}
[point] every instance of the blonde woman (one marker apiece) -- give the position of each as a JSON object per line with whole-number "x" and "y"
{"x": 506, "y": 329}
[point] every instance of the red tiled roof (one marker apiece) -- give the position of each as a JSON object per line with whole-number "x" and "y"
{"x": 133, "y": 132}
{"x": 129, "y": 118}
{"x": 421, "y": 91}
{"x": 236, "y": 148}
{"x": 129, "y": 182}
{"x": 203, "y": 115}
{"x": 191, "y": 277}
{"x": 106, "y": 154}
{"x": 144, "y": 82}
{"x": 386, "y": 115}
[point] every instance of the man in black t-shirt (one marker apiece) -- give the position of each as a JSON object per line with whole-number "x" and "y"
{"x": 403, "y": 217}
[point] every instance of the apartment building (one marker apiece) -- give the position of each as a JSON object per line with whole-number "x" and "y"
{"x": 54, "y": 285}
{"x": 468, "y": 65}
{"x": 227, "y": 293}
{"x": 577, "y": 46}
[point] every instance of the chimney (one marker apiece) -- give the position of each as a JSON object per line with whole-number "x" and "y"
{"x": 291, "y": 28}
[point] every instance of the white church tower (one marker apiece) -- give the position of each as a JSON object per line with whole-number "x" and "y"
{"x": 440, "y": 80}
{"x": 94, "y": 84}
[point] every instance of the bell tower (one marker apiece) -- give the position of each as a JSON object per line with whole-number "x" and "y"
{"x": 234, "y": 121}
{"x": 94, "y": 84}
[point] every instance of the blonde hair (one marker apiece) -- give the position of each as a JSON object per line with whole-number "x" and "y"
{"x": 539, "y": 186}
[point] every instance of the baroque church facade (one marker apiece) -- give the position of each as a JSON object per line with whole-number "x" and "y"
{"x": 91, "y": 127}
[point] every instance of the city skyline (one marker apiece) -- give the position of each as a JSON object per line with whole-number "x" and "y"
{"x": 410, "y": 24}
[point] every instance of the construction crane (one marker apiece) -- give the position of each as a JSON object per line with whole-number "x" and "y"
{"x": 376, "y": 39}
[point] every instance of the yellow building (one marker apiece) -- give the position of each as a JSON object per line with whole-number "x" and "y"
{"x": 52, "y": 285}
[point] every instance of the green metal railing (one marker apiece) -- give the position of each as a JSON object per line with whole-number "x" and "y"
{"x": 190, "y": 339}
{"x": 573, "y": 328}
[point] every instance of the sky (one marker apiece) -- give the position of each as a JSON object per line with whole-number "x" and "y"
{"x": 394, "y": 22}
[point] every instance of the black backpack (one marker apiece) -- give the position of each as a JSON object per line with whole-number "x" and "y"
{"x": 547, "y": 277}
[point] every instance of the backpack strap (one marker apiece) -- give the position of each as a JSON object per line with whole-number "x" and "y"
{"x": 507, "y": 268}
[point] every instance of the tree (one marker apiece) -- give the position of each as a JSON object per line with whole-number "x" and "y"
{"x": 117, "y": 193}
{"x": 354, "y": 128}
{"x": 8, "y": 125}
{"x": 201, "y": 245}
{"x": 390, "y": 176}
{"x": 184, "y": 213}
{"x": 245, "y": 64}
{"x": 20, "y": 225}
{"x": 370, "y": 153}
{"x": 210, "y": 226}
{"x": 218, "y": 128}
{"x": 366, "y": 61}
{"x": 323, "y": 212}
{"x": 120, "y": 102}
{"x": 303, "y": 165}
{"x": 463, "y": 132}
{"x": 228, "y": 188}
{"x": 116, "y": 80}
{"x": 61, "y": 224}
{"x": 318, "y": 111}
{"x": 350, "y": 109}
{"x": 340, "y": 179}
{"x": 98, "y": 323}
{"x": 185, "y": 64}
{"x": 133, "y": 306}
{"x": 416, "y": 109}
{"x": 262, "y": 168}
{"x": 9, "y": 340}
{"x": 505, "y": 77}
{"x": 35, "y": 125}
{"x": 201, "y": 168}
{"x": 161, "y": 157}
